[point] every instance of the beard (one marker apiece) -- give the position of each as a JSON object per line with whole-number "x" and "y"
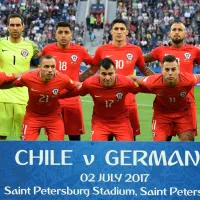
{"x": 177, "y": 41}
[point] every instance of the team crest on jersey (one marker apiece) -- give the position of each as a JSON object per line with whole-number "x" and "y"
{"x": 55, "y": 91}
{"x": 74, "y": 58}
{"x": 182, "y": 94}
{"x": 24, "y": 53}
{"x": 119, "y": 95}
{"x": 129, "y": 56}
{"x": 187, "y": 56}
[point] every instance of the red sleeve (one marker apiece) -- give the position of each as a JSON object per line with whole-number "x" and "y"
{"x": 155, "y": 53}
{"x": 68, "y": 83}
{"x": 83, "y": 89}
{"x": 6, "y": 77}
{"x": 96, "y": 59}
{"x": 43, "y": 52}
{"x": 20, "y": 82}
{"x": 140, "y": 61}
{"x": 197, "y": 60}
{"x": 135, "y": 88}
{"x": 147, "y": 82}
{"x": 87, "y": 59}
{"x": 193, "y": 78}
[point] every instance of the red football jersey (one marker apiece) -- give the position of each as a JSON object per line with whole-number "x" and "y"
{"x": 109, "y": 103}
{"x": 171, "y": 99}
{"x": 6, "y": 77}
{"x": 44, "y": 96}
{"x": 68, "y": 61}
{"x": 187, "y": 55}
{"x": 125, "y": 59}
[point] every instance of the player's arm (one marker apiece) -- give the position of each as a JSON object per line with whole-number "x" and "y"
{"x": 137, "y": 79}
{"x": 6, "y": 80}
{"x": 141, "y": 65}
{"x": 197, "y": 77}
{"x": 146, "y": 71}
{"x": 68, "y": 94}
{"x": 90, "y": 71}
{"x": 135, "y": 88}
{"x": 93, "y": 68}
{"x": 35, "y": 59}
{"x": 80, "y": 89}
{"x": 148, "y": 58}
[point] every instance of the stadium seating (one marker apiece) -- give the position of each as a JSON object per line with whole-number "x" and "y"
{"x": 150, "y": 20}
{"x": 40, "y": 18}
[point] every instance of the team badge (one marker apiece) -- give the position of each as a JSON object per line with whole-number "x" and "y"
{"x": 24, "y": 53}
{"x": 55, "y": 91}
{"x": 119, "y": 95}
{"x": 74, "y": 58}
{"x": 182, "y": 94}
{"x": 129, "y": 56}
{"x": 187, "y": 56}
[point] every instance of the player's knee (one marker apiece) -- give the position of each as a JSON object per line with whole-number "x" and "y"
{"x": 187, "y": 136}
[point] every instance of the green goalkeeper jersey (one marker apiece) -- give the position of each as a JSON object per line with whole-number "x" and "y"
{"x": 16, "y": 58}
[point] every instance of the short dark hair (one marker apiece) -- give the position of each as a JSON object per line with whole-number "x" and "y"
{"x": 14, "y": 15}
{"x": 169, "y": 58}
{"x": 106, "y": 63}
{"x": 63, "y": 24}
{"x": 115, "y": 21}
{"x": 46, "y": 57}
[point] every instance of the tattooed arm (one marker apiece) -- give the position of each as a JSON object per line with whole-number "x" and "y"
{"x": 90, "y": 71}
{"x": 148, "y": 58}
{"x": 198, "y": 77}
{"x": 137, "y": 79}
{"x": 146, "y": 71}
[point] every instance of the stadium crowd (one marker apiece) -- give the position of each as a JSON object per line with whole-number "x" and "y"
{"x": 40, "y": 18}
{"x": 150, "y": 21}
{"x": 18, "y": 53}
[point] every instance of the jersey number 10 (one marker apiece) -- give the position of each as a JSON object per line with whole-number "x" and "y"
{"x": 119, "y": 64}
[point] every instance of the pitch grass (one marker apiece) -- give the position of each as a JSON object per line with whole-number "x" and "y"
{"x": 144, "y": 102}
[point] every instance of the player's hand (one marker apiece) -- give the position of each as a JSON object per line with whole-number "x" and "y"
{"x": 132, "y": 77}
{"x": 78, "y": 84}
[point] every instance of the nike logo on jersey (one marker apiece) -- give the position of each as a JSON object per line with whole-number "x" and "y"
{"x": 108, "y": 56}
{"x": 4, "y": 50}
{"x": 34, "y": 90}
{"x": 97, "y": 96}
